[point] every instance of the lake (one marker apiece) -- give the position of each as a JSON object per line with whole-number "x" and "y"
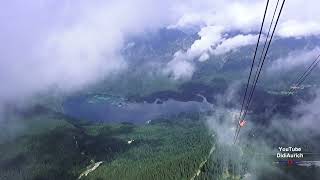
{"x": 117, "y": 110}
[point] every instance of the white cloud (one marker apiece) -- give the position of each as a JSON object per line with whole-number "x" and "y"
{"x": 234, "y": 43}
{"x": 243, "y": 17}
{"x": 293, "y": 60}
{"x": 292, "y": 28}
{"x": 232, "y": 15}
{"x": 216, "y": 19}
{"x": 205, "y": 56}
{"x": 246, "y": 16}
{"x": 211, "y": 42}
{"x": 209, "y": 36}
{"x": 180, "y": 67}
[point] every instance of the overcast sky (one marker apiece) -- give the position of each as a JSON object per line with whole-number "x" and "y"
{"x": 70, "y": 44}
